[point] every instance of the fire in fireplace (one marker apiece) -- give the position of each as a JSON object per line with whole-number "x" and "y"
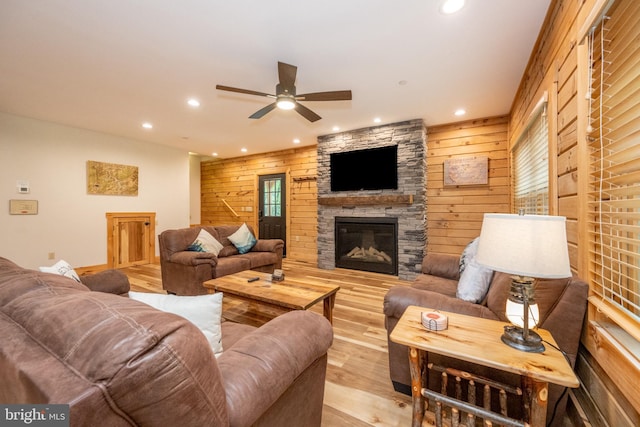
{"x": 369, "y": 244}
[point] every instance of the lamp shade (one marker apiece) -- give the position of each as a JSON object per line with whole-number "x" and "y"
{"x": 525, "y": 245}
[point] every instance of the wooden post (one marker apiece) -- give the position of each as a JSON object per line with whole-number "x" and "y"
{"x": 537, "y": 394}
{"x": 416, "y": 386}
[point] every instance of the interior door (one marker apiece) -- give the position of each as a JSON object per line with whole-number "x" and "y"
{"x": 130, "y": 239}
{"x": 272, "y": 215}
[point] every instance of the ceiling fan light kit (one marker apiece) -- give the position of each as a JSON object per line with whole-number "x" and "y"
{"x": 286, "y": 103}
{"x": 286, "y": 98}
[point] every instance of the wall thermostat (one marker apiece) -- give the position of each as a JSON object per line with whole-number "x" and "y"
{"x": 23, "y": 187}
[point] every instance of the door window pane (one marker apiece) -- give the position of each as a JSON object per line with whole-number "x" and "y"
{"x": 272, "y": 197}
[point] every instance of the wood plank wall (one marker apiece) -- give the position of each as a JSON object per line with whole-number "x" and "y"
{"x": 609, "y": 375}
{"x": 454, "y": 213}
{"x": 235, "y": 181}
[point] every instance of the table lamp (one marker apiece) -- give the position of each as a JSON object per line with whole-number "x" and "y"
{"x": 527, "y": 247}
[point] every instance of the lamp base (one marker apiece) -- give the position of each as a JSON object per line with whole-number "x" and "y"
{"x": 513, "y": 337}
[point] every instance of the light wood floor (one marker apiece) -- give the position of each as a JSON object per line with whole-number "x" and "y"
{"x": 358, "y": 391}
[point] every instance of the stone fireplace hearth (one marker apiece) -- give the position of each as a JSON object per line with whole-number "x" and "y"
{"x": 404, "y": 206}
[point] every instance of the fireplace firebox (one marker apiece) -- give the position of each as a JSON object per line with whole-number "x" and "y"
{"x": 368, "y": 244}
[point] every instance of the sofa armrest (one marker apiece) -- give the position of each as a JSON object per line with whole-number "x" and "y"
{"x": 268, "y": 245}
{"x": 109, "y": 281}
{"x": 442, "y": 265}
{"x": 262, "y": 365}
{"x": 398, "y": 298}
{"x": 193, "y": 258}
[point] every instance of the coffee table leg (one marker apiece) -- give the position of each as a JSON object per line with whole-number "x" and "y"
{"x": 329, "y": 302}
{"x": 415, "y": 366}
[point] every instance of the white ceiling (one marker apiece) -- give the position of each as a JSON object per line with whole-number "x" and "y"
{"x": 109, "y": 65}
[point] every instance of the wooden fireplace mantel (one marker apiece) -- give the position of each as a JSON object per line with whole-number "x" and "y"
{"x": 401, "y": 199}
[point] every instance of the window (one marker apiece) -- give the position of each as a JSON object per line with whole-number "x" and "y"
{"x": 272, "y": 197}
{"x": 531, "y": 165}
{"x": 614, "y": 143}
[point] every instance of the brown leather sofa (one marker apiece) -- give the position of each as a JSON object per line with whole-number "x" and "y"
{"x": 562, "y": 304}
{"x": 119, "y": 362}
{"x": 183, "y": 271}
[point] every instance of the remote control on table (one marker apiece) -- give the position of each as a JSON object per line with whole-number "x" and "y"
{"x": 253, "y": 279}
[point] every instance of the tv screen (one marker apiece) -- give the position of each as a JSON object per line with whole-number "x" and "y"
{"x": 371, "y": 169}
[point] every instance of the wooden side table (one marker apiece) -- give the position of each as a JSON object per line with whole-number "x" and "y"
{"x": 477, "y": 340}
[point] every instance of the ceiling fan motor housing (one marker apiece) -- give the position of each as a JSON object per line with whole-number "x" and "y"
{"x": 281, "y": 90}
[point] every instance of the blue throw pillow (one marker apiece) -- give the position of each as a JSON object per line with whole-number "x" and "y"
{"x": 242, "y": 239}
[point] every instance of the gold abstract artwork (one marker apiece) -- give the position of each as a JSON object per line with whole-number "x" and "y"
{"x": 111, "y": 179}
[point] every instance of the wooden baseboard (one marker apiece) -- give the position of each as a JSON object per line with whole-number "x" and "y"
{"x": 92, "y": 269}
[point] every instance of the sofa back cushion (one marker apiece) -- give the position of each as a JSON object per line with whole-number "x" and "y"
{"x": 224, "y": 231}
{"x": 117, "y": 361}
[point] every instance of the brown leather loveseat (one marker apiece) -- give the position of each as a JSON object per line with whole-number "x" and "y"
{"x": 184, "y": 271}
{"x": 119, "y": 362}
{"x": 562, "y": 304}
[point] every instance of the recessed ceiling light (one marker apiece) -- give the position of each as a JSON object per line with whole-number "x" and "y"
{"x": 193, "y": 102}
{"x": 244, "y": 150}
{"x": 460, "y": 112}
{"x": 451, "y": 6}
{"x": 214, "y": 154}
{"x": 335, "y": 128}
{"x": 377, "y": 120}
{"x": 296, "y": 141}
{"x": 147, "y": 125}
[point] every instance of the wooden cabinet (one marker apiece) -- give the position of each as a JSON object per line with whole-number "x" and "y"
{"x": 130, "y": 238}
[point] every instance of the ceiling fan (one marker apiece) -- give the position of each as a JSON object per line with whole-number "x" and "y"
{"x": 286, "y": 98}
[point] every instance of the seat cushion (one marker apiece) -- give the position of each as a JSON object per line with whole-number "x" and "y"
{"x": 230, "y": 265}
{"x": 259, "y": 259}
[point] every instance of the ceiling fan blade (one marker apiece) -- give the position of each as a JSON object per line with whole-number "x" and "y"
{"x": 307, "y": 113}
{"x": 247, "y": 91}
{"x": 336, "y": 95}
{"x": 261, "y": 112}
{"x": 287, "y": 76}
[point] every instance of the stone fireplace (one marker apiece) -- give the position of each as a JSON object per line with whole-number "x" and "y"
{"x": 404, "y": 207}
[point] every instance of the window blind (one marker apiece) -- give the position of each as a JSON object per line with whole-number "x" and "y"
{"x": 614, "y": 143}
{"x": 531, "y": 167}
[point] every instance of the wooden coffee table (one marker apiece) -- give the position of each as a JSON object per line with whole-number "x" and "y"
{"x": 298, "y": 294}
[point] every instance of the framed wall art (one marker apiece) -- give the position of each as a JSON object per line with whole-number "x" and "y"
{"x": 466, "y": 171}
{"x": 112, "y": 179}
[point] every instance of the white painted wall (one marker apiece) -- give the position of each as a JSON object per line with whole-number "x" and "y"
{"x": 53, "y": 159}
{"x": 194, "y": 188}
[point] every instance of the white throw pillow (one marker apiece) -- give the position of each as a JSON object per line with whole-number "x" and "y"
{"x": 474, "y": 283}
{"x": 62, "y": 268}
{"x": 204, "y": 311}
{"x": 468, "y": 253}
{"x": 474, "y": 278}
{"x": 205, "y": 242}
{"x": 242, "y": 239}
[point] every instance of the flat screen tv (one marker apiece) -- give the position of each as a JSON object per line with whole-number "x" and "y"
{"x": 371, "y": 169}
